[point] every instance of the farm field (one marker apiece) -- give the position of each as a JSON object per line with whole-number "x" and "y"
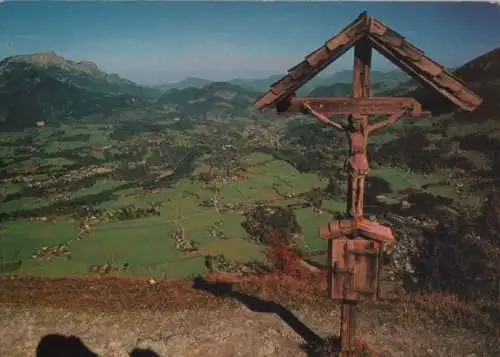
{"x": 57, "y": 172}
{"x": 145, "y": 244}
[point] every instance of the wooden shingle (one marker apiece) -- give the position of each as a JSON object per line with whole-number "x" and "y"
{"x": 387, "y": 42}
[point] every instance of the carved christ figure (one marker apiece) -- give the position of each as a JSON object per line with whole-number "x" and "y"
{"x": 357, "y": 164}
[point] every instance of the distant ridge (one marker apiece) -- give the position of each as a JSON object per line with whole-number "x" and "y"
{"x": 50, "y": 58}
{"x": 389, "y": 79}
{"x": 46, "y": 86}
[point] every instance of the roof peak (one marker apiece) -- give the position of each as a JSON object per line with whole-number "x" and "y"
{"x": 387, "y": 42}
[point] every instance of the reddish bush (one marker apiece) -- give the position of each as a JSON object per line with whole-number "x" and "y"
{"x": 287, "y": 278}
{"x": 284, "y": 257}
{"x": 291, "y": 273}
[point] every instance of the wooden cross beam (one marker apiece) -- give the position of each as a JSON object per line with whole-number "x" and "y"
{"x": 350, "y": 105}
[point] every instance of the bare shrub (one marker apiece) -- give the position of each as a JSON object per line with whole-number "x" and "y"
{"x": 461, "y": 256}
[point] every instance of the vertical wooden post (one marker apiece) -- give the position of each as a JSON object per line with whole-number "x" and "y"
{"x": 330, "y": 268}
{"x": 361, "y": 83}
{"x": 360, "y": 89}
{"x": 379, "y": 269}
{"x": 348, "y": 330}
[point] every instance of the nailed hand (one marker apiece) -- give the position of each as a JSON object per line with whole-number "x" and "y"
{"x": 307, "y": 106}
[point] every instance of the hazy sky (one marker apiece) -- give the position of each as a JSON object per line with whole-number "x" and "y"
{"x": 156, "y": 42}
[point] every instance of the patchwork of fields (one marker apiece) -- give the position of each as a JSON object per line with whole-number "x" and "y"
{"x": 58, "y": 171}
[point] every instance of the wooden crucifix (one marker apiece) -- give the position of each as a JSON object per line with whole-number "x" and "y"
{"x": 358, "y": 130}
{"x": 355, "y": 243}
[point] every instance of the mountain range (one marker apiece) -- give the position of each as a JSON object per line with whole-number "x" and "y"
{"x": 45, "y": 86}
{"x": 389, "y": 79}
{"x": 216, "y": 98}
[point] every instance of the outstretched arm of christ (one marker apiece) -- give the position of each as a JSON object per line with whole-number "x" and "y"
{"x": 391, "y": 120}
{"x": 322, "y": 117}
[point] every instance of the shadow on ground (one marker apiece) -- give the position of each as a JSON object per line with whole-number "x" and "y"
{"x": 55, "y": 345}
{"x": 314, "y": 345}
{"x": 328, "y": 347}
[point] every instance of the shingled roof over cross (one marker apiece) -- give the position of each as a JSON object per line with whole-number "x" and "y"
{"x": 387, "y": 42}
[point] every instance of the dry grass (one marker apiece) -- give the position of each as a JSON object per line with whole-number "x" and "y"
{"x": 277, "y": 317}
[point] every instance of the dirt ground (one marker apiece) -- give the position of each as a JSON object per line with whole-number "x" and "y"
{"x": 141, "y": 318}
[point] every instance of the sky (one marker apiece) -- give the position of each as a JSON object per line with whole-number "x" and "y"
{"x": 158, "y": 42}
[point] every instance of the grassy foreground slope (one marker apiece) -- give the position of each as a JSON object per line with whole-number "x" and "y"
{"x": 114, "y": 316}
